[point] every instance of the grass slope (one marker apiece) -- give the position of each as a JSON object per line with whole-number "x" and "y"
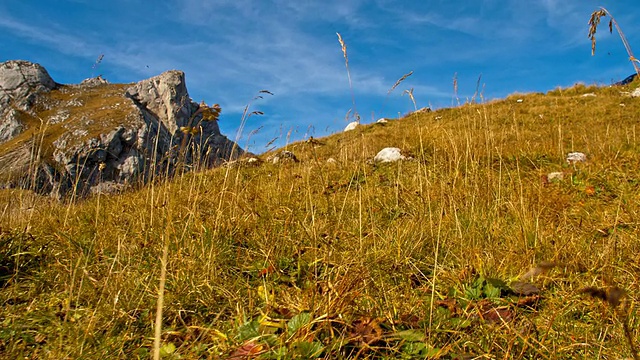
{"x": 416, "y": 259}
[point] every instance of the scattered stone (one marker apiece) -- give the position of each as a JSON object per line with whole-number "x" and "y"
{"x": 519, "y": 101}
{"x": 382, "y": 121}
{"x": 332, "y": 161}
{"x": 425, "y": 109}
{"x": 636, "y": 92}
{"x": 588, "y": 95}
{"x": 108, "y": 188}
{"x": 555, "y": 176}
{"x": 315, "y": 142}
{"x": 245, "y": 161}
{"x": 575, "y": 157}
{"x": 283, "y": 156}
{"x": 389, "y": 154}
{"x": 351, "y": 126}
{"x": 60, "y": 116}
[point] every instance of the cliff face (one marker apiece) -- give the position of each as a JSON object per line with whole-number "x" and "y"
{"x": 61, "y": 139}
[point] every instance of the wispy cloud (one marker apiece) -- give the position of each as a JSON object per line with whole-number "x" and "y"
{"x": 54, "y": 38}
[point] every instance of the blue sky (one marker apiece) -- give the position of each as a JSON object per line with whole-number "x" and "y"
{"x": 231, "y": 49}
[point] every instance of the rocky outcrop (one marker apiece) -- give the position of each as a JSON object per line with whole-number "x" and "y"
{"x": 20, "y": 83}
{"x": 99, "y": 137}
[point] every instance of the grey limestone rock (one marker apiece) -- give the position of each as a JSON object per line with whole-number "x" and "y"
{"x": 21, "y": 80}
{"x": 103, "y": 133}
{"x": 20, "y": 83}
{"x": 98, "y": 80}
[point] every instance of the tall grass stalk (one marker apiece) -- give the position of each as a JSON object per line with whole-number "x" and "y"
{"x": 343, "y": 47}
{"x": 157, "y": 336}
{"x": 594, "y": 21}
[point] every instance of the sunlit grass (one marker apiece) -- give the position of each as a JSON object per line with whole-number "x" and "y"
{"x": 416, "y": 259}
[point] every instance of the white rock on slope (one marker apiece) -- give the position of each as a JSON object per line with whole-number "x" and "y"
{"x": 576, "y": 157}
{"x": 389, "y": 154}
{"x": 351, "y": 126}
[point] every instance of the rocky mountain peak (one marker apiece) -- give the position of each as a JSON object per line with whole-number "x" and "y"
{"x": 95, "y": 136}
{"x": 21, "y": 80}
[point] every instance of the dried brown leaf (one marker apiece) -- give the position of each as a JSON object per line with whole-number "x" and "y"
{"x": 612, "y": 295}
{"x": 541, "y": 268}
{"x": 524, "y": 288}
{"x": 366, "y": 330}
{"x": 248, "y": 350}
{"x": 528, "y": 301}
{"x": 489, "y": 312}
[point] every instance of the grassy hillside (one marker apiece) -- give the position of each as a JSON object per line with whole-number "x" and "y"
{"x": 466, "y": 250}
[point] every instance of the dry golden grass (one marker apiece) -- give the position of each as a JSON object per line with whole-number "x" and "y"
{"x": 433, "y": 257}
{"x": 353, "y": 111}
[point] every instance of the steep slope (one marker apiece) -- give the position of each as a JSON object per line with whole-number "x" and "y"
{"x": 484, "y": 242}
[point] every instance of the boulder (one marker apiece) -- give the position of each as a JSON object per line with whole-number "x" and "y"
{"x": 351, "y": 126}
{"x": 20, "y": 83}
{"x": 389, "y": 154}
{"x": 98, "y": 133}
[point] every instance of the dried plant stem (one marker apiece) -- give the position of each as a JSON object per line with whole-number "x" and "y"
{"x": 343, "y": 45}
{"x": 594, "y": 21}
{"x": 158, "y": 324}
{"x": 629, "y": 335}
{"x": 455, "y": 89}
{"x": 400, "y": 81}
{"x": 395, "y": 85}
{"x": 413, "y": 100}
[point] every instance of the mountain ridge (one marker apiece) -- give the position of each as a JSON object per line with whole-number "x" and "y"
{"x": 62, "y": 139}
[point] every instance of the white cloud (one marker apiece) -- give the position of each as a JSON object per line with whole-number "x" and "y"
{"x": 54, "y": 38}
